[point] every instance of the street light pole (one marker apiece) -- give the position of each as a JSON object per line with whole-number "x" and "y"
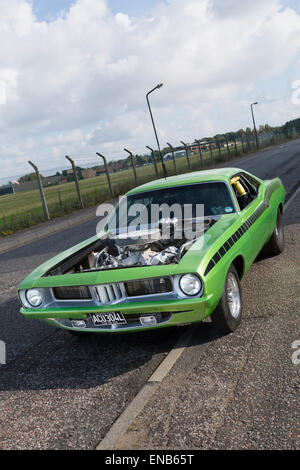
{"x": 254, "y": 126}
{"x": 154, "y": 128}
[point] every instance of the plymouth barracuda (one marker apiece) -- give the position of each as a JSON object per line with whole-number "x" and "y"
{"x": 135, "y": 276}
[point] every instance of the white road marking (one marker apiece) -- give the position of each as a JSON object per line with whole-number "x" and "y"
{"x": 291, "y": 198}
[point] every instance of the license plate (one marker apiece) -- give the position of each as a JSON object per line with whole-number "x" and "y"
{"x": 110, "y": 318}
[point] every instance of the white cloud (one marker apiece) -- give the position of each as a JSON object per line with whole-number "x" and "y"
{"x": 77, "y": 84}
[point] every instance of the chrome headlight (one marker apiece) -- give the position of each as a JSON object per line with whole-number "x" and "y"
{"x": 190, "y": 284}
{"x": 34, "y": 297}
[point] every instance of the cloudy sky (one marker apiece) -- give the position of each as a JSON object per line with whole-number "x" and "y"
{"x": 74, "y": 74}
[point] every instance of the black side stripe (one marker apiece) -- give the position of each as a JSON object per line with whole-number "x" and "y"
{"x": 235, "y": 237}
{"x": 244, "y": 227}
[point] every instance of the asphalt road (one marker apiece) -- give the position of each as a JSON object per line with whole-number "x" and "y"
{"x": 239, "y": 391}
{"x": 57, "y": 391}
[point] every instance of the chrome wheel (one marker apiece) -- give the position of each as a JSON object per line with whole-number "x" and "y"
{"x": 233, "y": 296}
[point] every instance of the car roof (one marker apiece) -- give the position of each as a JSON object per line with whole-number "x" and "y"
{"x": 217, "y": 174}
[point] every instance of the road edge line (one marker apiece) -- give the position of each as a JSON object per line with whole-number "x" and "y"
{"x": 126, "y": 418}
{"x": 291, "y": 198}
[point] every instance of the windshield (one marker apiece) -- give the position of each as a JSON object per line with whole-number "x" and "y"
{"x": 182, "y": 202}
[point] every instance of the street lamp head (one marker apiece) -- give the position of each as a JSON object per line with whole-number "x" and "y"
{"x": 159, "y": 85}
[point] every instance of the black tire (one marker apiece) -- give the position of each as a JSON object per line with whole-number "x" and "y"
{"x": 227, "y": 315}
{"x": 275, "y": 245}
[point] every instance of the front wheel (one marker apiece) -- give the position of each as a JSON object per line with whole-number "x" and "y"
{"x": 228, "y": 313}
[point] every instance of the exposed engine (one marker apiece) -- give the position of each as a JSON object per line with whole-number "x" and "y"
{"x": 146, "y": 248}
{"x": 164, "y": 244}
{"x": 149, "y": 254}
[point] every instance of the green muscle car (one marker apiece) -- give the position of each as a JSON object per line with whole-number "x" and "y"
{"x": 175, "y": 257}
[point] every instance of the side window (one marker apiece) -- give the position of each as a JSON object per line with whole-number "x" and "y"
{"x": 245, "y": 189}
{"x": 252, "y": 185}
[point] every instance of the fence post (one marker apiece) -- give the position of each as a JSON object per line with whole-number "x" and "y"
{"x": 133, "y": 165}
{"x": 187, "y": 154}
{"x": 236, "y": 150}
{"x": 173, "y": 157}
{"x": 210, "y": 150}
{"x": 242, "y": 142}
{"x": 46, "y": 212}
{"x": 228, "y": 151}
{"x": 154, "y": 161}
{"x": 107, "y": 173}
{"x": 76, "y": 181}
{"x": 248, "y": 143}
{"x": 219, "y": 148}
{"x": 200, "y": 152}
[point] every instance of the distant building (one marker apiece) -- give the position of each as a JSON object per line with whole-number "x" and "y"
{"x": 46, "y": 181}
{"x": 177, "y": 154}
{"x": 204, "y": 145}
{"x": 6, "y": 189}
{"x": 100, "y": 171}
{"x": 52, "y": 180}
{"x": 89, "y": 173}
{"x": 115, "y": 166}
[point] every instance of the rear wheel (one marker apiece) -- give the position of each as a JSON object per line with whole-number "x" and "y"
{"x": 228, "y": 313}
{"x": 275, "y": 245}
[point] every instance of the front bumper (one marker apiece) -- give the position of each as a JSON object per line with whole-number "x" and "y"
{"x": 168, "y": 312}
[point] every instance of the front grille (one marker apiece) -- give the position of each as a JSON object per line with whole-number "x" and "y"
{"x": 72, "y": 293}
{"x": 148, "y": 286}
{"x": 115, "y": 292}
{"x": 109, "y": 293}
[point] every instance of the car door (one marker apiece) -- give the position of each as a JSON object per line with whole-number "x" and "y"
{"x": 250, "y": 203}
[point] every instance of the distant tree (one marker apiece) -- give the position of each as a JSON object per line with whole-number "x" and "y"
{"x": 28, "y": 177}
